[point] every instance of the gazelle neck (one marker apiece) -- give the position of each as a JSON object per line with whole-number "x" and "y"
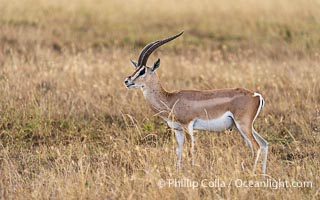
{"x": 156, "y": 95}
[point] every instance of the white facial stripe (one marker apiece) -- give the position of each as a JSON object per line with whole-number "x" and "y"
{"x": 137, "y": 73}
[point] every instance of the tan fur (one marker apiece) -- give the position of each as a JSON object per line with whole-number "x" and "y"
{"x": 190, "y": 104}
{"x": 187, "y": 105}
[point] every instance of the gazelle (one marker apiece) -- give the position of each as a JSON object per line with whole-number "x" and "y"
{"x": 213, "y": 110}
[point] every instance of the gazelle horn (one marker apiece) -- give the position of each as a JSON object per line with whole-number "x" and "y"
{"x": 149, "y": 48}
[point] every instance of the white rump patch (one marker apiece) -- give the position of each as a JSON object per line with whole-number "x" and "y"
{"x": 261, "y": 104}
{"x": 218, "y": 124}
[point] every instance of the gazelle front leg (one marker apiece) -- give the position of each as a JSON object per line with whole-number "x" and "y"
{"x": 178, "y": 131}
{"x": 180, "y": 140}
{"x": 190, "y": 130}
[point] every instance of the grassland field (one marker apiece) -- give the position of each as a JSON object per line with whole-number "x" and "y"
{"x": 69, "y": 129}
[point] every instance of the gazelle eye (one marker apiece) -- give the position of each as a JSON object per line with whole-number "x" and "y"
{"x": 142, "y": 72}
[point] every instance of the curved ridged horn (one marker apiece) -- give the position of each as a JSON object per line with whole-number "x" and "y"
{"x": 143, "y": 51}
{"x": 148, "y": 49}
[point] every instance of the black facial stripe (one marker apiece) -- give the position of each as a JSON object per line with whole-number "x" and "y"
{"x": 142, "y": 72}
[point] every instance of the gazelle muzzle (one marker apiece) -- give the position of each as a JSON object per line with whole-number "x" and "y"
{"x": 128, "y": 83}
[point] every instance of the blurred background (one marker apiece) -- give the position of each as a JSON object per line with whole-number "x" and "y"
{"x": 96, "y": 24}
{"x": 69, "y": 129}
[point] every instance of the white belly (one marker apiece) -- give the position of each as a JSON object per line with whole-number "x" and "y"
{"x": 218, "y": 124}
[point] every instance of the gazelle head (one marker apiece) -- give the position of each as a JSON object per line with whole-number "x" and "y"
{"x": 143, "y": 74}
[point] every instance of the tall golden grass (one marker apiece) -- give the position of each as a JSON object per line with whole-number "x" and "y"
{"x": 69, "y": 129}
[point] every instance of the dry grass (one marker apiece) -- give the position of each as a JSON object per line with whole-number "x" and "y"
{"x": 70, "y": 130}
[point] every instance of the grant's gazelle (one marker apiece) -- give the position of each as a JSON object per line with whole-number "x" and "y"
{"x": 213, "y": 110}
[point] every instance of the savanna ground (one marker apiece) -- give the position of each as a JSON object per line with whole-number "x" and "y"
{"x": 69, "y": 128}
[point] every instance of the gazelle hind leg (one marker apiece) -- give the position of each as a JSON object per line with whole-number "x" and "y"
{"x": 247, "y": 133}
{"x": 256, "y": 160}
{"x": 262, "y": 142}
{"x": 244, "y": 136}
{"x": 263, "y": 148}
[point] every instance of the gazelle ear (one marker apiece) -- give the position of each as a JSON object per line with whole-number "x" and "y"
{"x": 134, "y": 63}
{"x": 155, "y": 65}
